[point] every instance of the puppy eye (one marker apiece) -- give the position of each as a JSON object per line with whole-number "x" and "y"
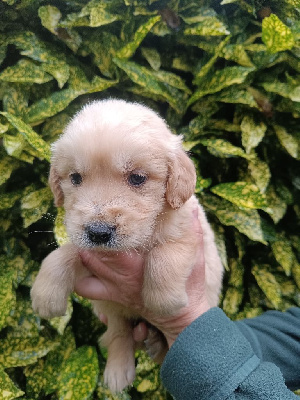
{"x": 76, "y": 179}
{"x": 137, "y": 179}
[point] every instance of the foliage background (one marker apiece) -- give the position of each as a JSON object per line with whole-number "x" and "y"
{"x": 223, "y": 74}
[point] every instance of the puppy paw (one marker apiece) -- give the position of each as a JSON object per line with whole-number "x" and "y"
{"x": 118, "y": 376}
{"x": 156, "y": 345}
{"x": 48, "y": 305}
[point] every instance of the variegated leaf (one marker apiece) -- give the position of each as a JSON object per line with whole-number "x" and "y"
{"x": 220, "y": 80}
{"x": 276, "y": 35}
{"x": 8, "y": 389}
{"x": 243, "y": 194}
{"x": 79, "y": 376}
{"x": 268, "y": 284}
{"x": 30, "y": 136}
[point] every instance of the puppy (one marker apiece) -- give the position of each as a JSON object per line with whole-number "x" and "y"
{"x": 125, "y": 183}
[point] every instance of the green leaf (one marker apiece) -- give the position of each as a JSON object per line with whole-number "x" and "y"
{"x": 252, "y": 132}
{"x": 25, "y": 71}
{"x": 268, "y": 284}
{"x": 30, "y": 135}
{"x": 78, "y": 378}
{"x": 129, "y": 49}
{"x": 276, "y": 35}
{"x": 220, "y": 80}
{"x": 8, "y": 390}
{"x": 243, "y": 194}
{"x": 289, "y": 142}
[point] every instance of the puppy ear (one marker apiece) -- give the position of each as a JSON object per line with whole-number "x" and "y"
{"x": 181, "y": 181}
{"x": 54, "y": 182}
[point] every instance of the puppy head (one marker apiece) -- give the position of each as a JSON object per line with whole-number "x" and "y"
{"x": 116, "y": 169}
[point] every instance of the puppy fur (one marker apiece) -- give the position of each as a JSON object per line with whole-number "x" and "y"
{"x": 118, "y": 170}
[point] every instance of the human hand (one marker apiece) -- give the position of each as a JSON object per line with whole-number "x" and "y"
{"x": 119, "y": 278}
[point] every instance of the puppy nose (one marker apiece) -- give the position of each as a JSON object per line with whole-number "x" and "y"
{"x": 100, "y": 233}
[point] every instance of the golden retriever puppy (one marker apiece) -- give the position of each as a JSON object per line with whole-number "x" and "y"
{"x": 126, "y": 183}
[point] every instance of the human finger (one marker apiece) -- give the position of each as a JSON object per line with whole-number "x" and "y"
{"x": 95, "y": 289}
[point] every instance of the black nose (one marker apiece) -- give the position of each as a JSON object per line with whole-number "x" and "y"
{"x": 99, "y": 233}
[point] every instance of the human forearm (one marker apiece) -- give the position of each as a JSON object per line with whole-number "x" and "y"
{"x": 211, "y": 359}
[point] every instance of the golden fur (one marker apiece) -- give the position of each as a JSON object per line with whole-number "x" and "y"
{"x": 115, "y": 145}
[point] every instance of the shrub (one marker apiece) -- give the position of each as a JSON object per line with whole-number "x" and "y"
{"x": 223, "y": 74}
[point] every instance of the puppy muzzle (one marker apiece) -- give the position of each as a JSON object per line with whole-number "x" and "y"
{"x": 100, "y": 234}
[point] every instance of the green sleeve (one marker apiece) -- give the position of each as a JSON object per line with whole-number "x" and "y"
{"x": 212, "y": 360}
{"x": 275, "y": 337}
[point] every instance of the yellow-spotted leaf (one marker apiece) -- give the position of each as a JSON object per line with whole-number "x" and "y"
{"x": 7, "y": 166}
{"x": 30, "y": 135}
{"x": 288, "y": 141}
{"x": 105, "y": 394}
{"x": 79, "y": 376}
{"x": 8, "y": 390}
{"x": 60, "y": 233}
{"x": 152, "y": 56}
{"x": 19, "y": 352}
{"x": 100, "y": 16}
{"x": 232, "y": 300}
{"x": 60, "y": 323}
{"x": 268, "y": 284}
{"x": 276, "y": 35}
{"x": 147, "y": 79}
{"x": 129, "y": 49}
{"x": 50, "y": 17}
{"x": 25, "y": 71}
{"x": 209, "y": 26}
{"x": 51, "y": 105}
{"x": 287, "y": 90}
{"x": 252, "y": 132}
{"x": 35, "y": 205}
{"x": 283, "y": 252}
{"x": 246, "y": 221}
{"x": 172, "y": 80}
{"x": 277, "y": 206}
{"x": 223, "y": 148}
{"x": 243, "y": 194}
{"x": 32, "y": 47}
{"x": 55, "y": 360}
{"x": 8, "y": 200}
{"x": 22, "y": 319}
{"x": 237, "y": 270}
{"x": 35, "y": 379}
{"x": 220, "y": 80}
{"x": 205, "y": 69}
{"x": 236, "y": 95}
{"x": 259, "y": 171}
{"x": 7, "y": 298}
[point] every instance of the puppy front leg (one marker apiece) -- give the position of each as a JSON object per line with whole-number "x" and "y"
{"x": 120, "y": 367}
{"x": 55, "y": 281}
{"x": 166, "y": 271}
